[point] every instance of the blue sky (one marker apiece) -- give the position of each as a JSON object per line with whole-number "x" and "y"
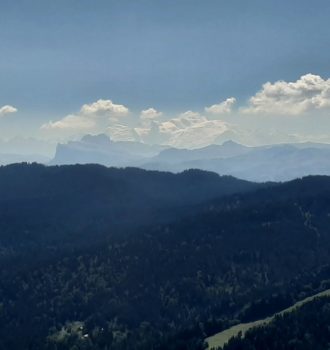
{"x": 172, "y": 55}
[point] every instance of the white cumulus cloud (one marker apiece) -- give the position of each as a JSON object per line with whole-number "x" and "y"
{"x": 189, "y": 129}
{"x": 104, "y": 108}
{"x": 7, "y": 110}
{"x": 94, "y": 117}
{"x": 310, "y": 92}
{"x": 224, "y": 107}
{"x": 149, "y": 115}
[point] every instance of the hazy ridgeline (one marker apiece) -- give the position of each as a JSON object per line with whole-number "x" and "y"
{"x": 281, "y": 162}
{"x": 278, "y": 162}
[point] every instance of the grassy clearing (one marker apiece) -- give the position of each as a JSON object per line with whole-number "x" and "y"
{"x": 220, "y": 339}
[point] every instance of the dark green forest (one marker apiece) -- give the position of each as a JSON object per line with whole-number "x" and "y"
{"x": 303, "y": 329}
{"x": 101, "y": 258}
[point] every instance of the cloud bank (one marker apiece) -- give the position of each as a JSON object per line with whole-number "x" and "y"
{"x": 310, "y": 93}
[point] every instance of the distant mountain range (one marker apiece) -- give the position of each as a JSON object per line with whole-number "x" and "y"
{"x": 271, "y": 163}
{"x": 264, "y": 163}
{"x": 101, "y": 150}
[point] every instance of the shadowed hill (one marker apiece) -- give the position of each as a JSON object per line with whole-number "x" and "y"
{"x": 35, "y": 200}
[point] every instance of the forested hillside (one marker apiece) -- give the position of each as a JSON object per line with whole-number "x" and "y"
{"x": 97, "y": 258}
{"x": 55, "y": 207}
